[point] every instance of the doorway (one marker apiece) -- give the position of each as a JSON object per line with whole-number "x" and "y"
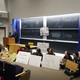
{"x": 2, "y": 34}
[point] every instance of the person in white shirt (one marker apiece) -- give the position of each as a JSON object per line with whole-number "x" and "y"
{"x": 4, "y": 49}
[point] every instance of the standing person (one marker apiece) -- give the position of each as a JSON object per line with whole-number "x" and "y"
{"x": 15, "y": 35}
{"x": 9, "y": 34}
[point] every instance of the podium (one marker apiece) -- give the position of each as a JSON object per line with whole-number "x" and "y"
{"x": 7, "y": 41}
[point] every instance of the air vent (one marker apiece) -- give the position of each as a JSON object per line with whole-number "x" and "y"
{"x": 3, "y": 14}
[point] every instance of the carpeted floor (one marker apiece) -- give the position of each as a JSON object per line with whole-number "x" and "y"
{"x": 46, "y": 73}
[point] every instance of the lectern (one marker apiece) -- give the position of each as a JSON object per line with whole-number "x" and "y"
{"x": 8, "y": 41}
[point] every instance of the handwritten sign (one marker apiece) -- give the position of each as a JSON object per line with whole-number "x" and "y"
{"x": 23, "y": 57}
{"x": 43, "y": 46}
{"x": 35, "y": 60}
{"x": 51, "y": 61}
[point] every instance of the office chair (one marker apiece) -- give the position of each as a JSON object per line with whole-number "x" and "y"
{"x": 15, "y": 72}
{"x": 1, "y": 68}
{"x": 24, "y": 75}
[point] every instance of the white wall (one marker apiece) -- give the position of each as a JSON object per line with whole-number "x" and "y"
{"x": 2, "y": 5}
{"x": 4, "y": 20}
{"x": 5, "y": 24}
{"x": 30, "y": 8}
{"x": 33, "y": 8}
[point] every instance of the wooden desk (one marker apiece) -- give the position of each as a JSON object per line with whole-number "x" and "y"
{"x": 8, "y": 41}
{"x": 14, "y": 47}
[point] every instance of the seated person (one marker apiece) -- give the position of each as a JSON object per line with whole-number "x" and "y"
{"x": 50, "y": 51}
{"x": 27, "y": 48}
{"x": 77, "y": 72}
{"x": 4, "y": 52}
{"x": 21, "y": 49}
{"x": 65, "y": 58}
{"x": 3, "y": 49}
{"x": 76, "y": 57}
{"x": 39, "y": 53}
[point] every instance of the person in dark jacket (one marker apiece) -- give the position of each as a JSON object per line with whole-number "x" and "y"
{"x": 38, "y": 53}
{"x": 21, "y": 49}
{"x": 50, "y": 51}
{"x": 15, "y": 35}
{"x": 66, "y": 57}
{"x": 77, "y": 72}
{"x": 27, "y": 48}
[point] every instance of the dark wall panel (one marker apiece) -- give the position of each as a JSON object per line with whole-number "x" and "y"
{"x": 63, "y": 28}
{"x": 67, "y": 35}
{"x": 63, "y": 22}
{"x": 57, "y": 46}
{"x": 30, "y": 27}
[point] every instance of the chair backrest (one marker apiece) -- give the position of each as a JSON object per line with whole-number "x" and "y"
{"x": 1, "y": 68}
{"x": 71, "y": 65}
{"x": 26, "y": 75}
{"x": 19, "y": 69}
{"x": 1, "y": 64}
{"x": 11, "y": 70}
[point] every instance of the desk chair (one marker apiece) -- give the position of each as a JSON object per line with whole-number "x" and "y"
{"x": 24, "y": 75}
{"x": 1, "y": 68}
{"x": 14, "y": 72}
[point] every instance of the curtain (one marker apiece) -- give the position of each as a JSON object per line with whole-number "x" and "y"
{"x": 16, "y": 25}
{"x": 79, "y": 35}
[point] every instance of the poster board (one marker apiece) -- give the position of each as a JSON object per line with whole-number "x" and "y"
{"x": 35, "y": 60}
{"x": 23, "y": 57}
{"x": 71, "y": 65}
{"x": 44, "y": 31}
{"x": 51, "y": 61}
{"x": 43, "y": 46}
